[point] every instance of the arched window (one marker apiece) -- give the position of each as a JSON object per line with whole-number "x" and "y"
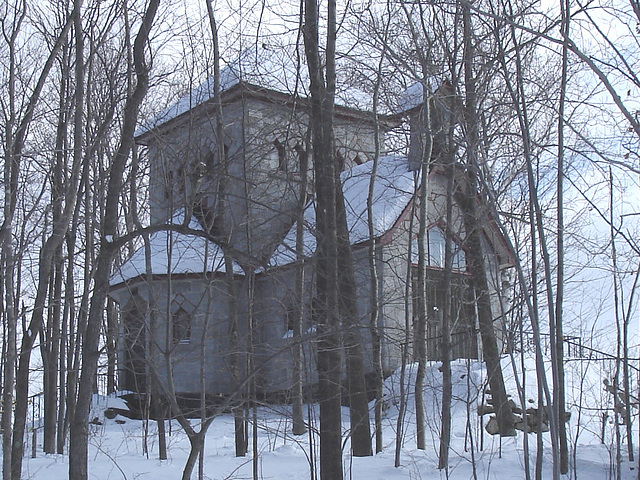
{"x": 181, "y": 316}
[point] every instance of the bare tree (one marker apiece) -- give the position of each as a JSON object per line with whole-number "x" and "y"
{"x": 108, "y": 248}
{"x": 322, "y": 91}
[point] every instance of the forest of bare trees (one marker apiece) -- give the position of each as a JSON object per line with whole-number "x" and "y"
{"x": 528, "y": 113}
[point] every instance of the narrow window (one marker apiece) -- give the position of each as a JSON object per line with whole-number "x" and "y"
{"x": 282, "y": 155}
{"x": 181, "y": 316}
{"x": 303, "y": 158}
{"x": 168, "y": 186}
{"x": 181, "y": 180}
{"x": 290, "y": 322}
{"x": 291, "y": 318}
{"x": 435, "y": 250}
{"x": 181, "y": 326}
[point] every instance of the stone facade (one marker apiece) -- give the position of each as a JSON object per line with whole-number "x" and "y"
{"x": 175, "y": 300}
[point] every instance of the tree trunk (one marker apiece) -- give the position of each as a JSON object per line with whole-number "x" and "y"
{"x": 299, "y": 427}
{"x": 348, "y": 306}
{"x": 241, "y": 444}
{"x": 374, "y": 301}
{"x": 558, "y": 337}
{"x": 447, "y": 313}
{"x": 50, "y": 337}
{"x": 79, "y": 431}
{"x": 473, "y": 219}
{"x": 329, "y": 356}
{"x": 408, "y": 302}
{"x": 196, "y": 440}
{"x": 420, "y": 293}
{"x": 50, "y": 348}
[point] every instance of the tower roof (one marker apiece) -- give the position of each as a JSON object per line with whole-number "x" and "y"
{"x": 275, "y": 68}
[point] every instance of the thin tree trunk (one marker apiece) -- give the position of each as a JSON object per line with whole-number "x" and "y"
{"x": 299, "y": 427}
{"x": 408, "y": 292}
{"x": 50, "y": 348}
{"x": 79, "y": 431}
{"x": 221, "y": 229}
{"x": 329, "y": 357}
{"x": 447, "y": 313}
{"x": 557, "y": 336}
{"x": 420, "y": 295}
{"x": 374, "y": 300}
{"x": 65, "y": 359}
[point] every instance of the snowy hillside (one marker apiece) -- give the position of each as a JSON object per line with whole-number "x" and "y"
{"x": 116, "y": 447}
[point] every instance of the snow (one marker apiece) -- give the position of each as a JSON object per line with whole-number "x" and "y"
{"x": 272, "y": 67}
{"x": 190, "y": 253}
{"x": 393, "y": 189}
{"x": 413, "y": 96}
{"x": 116, "y": 451}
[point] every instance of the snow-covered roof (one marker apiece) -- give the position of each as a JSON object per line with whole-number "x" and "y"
{"x": 413, "y": 96}
{"x": 393, "y": 189}
{"x": 271, "y": 67}
{"x": 189, "y": 254}
{"x": 258, "y": 66}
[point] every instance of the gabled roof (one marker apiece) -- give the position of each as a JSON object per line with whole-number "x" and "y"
{"x": 189, "y": 254}
{"x": 393, "y": 189}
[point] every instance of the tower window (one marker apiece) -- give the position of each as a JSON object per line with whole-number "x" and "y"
{"x": 282, "y": 155}
{"x": 181, "y": 326}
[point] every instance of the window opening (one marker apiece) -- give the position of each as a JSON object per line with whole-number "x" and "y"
{"x": 303, "y": 158}
{"x": 181, "y": 180}
{"x": 181, "y": 319}
{"x": 435, "y": 243}
{"x": 282, "y": 155}
{"x": 168, "y": 185}
{"x": 290, "y": 322}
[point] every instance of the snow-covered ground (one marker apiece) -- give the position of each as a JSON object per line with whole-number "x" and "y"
{"x": 116, "y": 449}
